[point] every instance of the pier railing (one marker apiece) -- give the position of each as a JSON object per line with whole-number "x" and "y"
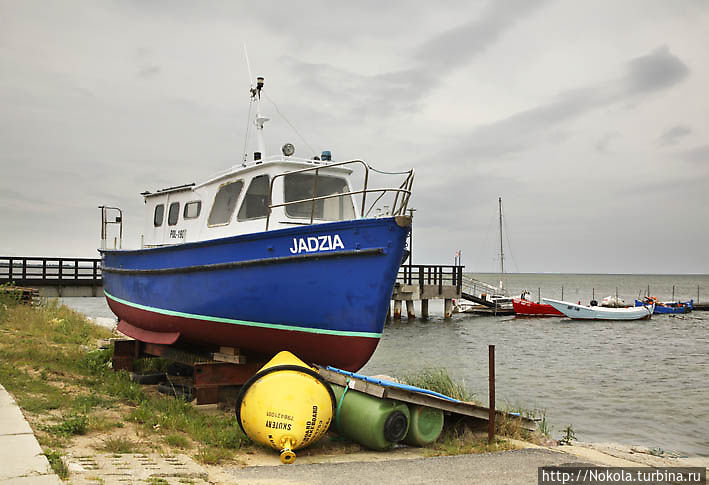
{"x": 477, "y": 287}
{"x": 27, "y": 271}
{"x": 431, "y": 274}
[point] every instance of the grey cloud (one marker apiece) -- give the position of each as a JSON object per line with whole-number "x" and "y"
{"x": 147, "y": 72}
{"x": 658, "y": 70}
{"x": 698, "y": 155}
{"x": 457, "y": 46}
{"x": 382, "y": 94}
{"x": 672, "y": 135}
{"x": 603, "y": 144}
{"x": 402, "y": 90}
{"x": 645, "y": 74}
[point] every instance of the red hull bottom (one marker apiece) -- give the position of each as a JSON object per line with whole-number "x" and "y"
{"x": 345, "y": 352}
{"x": 532, "y": 309}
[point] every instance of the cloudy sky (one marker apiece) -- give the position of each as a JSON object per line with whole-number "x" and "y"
{"x": 590, "y": 119}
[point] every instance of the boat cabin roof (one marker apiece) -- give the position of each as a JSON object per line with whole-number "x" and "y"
{"x": 254, "y": 166}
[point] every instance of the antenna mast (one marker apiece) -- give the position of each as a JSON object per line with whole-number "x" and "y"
{"x": 502, "y": 254}
{"x": 260, "y": 119}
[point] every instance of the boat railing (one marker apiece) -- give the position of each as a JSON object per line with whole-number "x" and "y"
{"x": 401, "y": 194}
{"x": 107, "y": 218}
{"x": 431, "y": 274}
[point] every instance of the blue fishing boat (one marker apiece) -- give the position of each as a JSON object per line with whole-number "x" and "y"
{"x": 668, "y": 307}
{"x": 275, "y": 253}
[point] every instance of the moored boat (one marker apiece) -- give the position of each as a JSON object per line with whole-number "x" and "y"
{"x": 528, "y": 308}
{"x": 668, "y": 307}
{"x": 277, "y": 253}
{"x": 583, "y": 312}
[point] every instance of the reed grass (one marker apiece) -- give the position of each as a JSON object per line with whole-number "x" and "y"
{"x": 439, "y": 380}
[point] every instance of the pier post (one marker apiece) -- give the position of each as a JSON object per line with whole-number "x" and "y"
{"x": 447, "y": 308}
{"x": 397, "y": 309}
{"x": 424, "y": 308}
{"x": 410, "y": 310}
{"x": 491, "y": 406}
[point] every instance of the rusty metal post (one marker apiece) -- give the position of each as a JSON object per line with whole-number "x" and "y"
{"x": 410, "y": 310}
{"x": 397, "y": 309}
{"x": 491, "y": 418}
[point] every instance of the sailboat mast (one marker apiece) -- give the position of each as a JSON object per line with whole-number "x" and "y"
{"x": 502, "y": 254}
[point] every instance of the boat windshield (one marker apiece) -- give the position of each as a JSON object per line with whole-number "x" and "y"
{"x": 299, "y": 186}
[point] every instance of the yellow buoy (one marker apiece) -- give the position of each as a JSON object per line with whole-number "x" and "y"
{"x": 286, "y": 405}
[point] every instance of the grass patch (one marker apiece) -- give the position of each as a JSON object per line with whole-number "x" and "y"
{"x": 467, "y": 443}
{"x": 69, "y": 426}
{"x": 47, "y": 352}
{"x": 210, "y": 455}
{"x": 120, "y": 446}
{"x": 157, "y": 481}
{"x": 175, "y": 440}
{"x": 438, "y": 380}
{"x": 173, "y": 415}
{"x": 151, "y": 365}
{"x": 57, "y": 464}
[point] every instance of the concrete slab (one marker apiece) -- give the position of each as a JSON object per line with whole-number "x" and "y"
{"x": 12, "y": 421}
{"x": 34, "y": 480}
{"x": 21, "y": 458}
{"x": 20, "y": 455}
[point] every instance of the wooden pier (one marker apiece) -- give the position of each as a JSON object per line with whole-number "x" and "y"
{"x": 427, "y": 282}
{"x": 441, "y": 282}
{"x": 53, "y": 276}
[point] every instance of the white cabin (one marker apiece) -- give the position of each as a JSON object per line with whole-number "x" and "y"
{"x": 236, "y": 201}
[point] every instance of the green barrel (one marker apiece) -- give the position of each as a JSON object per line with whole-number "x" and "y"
{"x": 375, "y": 423}
{"x": 425, "y": 425}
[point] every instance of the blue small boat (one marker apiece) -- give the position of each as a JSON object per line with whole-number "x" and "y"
{"x": 669, "y": 307}
{"x": 275, "y": 253}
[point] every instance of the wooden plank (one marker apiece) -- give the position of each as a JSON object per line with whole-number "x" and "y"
{"x": 231, "y": 358}
{"x": 223, "y": 373}
{"x": 413, "y": 397}
{"x": 356, "y": 384}
{"x": 207, "y": 395}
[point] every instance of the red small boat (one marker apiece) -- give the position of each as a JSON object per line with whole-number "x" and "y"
{"x": 529, "y": 308}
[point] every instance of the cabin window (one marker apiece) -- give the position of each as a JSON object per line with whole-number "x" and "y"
{"x": 225, "y": 203}
{"x": 173, "y": 214}
{"x": 192, "y": 209}
{"x": 159, "y": 215}
{"x": 299, "y": 186}
{"x": 255, "y": 202}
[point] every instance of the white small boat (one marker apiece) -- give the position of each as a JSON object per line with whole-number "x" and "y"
{"x": 583, "y": 312}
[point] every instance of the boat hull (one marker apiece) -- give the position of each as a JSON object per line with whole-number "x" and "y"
{"x": 671, "y": 308}
{"x": 320, "y": 291}
{"x": 528, "y": 308}
{"x": 582, "y": 312}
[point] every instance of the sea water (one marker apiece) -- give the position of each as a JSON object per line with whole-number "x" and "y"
{"x": 641, "y": 382}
